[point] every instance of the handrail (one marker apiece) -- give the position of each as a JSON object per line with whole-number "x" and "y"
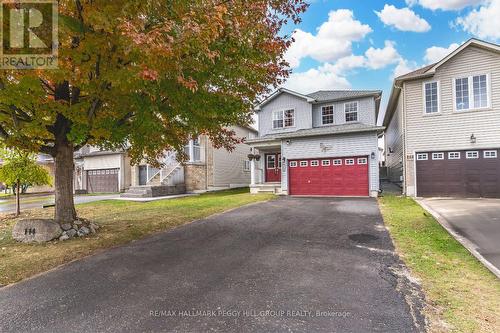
{"x": 168, "y": 160}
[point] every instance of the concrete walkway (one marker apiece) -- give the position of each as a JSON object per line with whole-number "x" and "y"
{"x": 288, "y": 265}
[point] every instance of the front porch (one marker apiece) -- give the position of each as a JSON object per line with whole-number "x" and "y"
{"x": 266, "y": 165}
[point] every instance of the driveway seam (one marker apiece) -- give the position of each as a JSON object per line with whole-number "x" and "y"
{"x": 470, "y": 246}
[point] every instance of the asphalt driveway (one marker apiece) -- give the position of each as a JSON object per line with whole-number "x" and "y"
{"x": 477, "y": 221}
{"x": 288, "y": 265}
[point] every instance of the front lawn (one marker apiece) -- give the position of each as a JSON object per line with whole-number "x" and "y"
{"x": 462, "y": 295}
{"x": 120, "y": 221}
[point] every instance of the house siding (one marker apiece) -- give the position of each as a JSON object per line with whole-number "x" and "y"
{"x": 228, "y": 166}
{"x": 366, "y": 112}
{"x": 450, "y": 130}
{"x": 362, "y": 144}
{"x": 303, "y": 114}
{"x": 394, "y": 141}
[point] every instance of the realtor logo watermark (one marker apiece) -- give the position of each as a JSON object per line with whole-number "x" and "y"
{"x": 28, "y": 34}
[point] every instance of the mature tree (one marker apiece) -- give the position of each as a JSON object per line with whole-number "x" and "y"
{"x": 147, "y": 73}
{"x": 20, "y": 168}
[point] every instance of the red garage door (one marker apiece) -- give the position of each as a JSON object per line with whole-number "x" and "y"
{"x": 329, "y": 176}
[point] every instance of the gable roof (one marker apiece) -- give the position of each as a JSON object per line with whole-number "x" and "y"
{"x": 280, "y": 91}
{"x": 429, "y": 71}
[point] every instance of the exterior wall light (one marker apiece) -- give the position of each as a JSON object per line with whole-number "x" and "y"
{"x": 472, "y": 138}
{"x": 372, "y": 155}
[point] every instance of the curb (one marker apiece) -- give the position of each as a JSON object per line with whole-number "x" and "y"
{"x": 470, "y": 246}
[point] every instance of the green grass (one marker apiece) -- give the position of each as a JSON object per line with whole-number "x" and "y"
{"x": 462, "y": 295}
{"x": 120, "y": 221}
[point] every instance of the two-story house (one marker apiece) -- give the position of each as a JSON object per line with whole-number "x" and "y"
{"x": 323, "y": 143}
{"x": 443, "y": 125}
{"x": 206, "y": 168}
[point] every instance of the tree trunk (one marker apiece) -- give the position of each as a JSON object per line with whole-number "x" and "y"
{"x": 65, "y": 206}
{"x": 18, "y": 199}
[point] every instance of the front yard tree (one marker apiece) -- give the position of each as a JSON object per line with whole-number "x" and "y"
{"x": 148, "y": 74}
{"x": 18, "y": 169}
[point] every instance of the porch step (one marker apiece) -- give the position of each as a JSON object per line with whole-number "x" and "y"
{"x": 274, "y": 188}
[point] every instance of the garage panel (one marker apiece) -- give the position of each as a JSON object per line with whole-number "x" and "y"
{"x": 102, "y": 181}
{"x": 329, "y": 176}
{"x": 470, "y": 173}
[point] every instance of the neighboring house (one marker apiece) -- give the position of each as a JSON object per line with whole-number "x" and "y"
{"x": 99, "y": 171}
{"x": 443, "y": 125}
{"x": 324, "y": 143}
{"x": 207, "y": 168}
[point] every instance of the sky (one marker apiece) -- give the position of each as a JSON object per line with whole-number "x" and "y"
{"x": 364, "y": 44}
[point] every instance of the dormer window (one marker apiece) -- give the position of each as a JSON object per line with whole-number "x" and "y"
{"x": 351, "y": 111}
{"x": 327, "y": 115}
{"x": 284, "y": 118}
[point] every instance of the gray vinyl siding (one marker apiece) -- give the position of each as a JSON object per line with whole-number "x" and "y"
{"x": 452, "y": 129}
{"x": 362, "y": 144}
{"x": 303, "y": 116}
{"x": 229, "y": 166}
{"x": 394, "y": 142}
{"x": 366, "y": 112}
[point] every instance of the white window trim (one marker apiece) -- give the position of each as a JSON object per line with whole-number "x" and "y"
{"x": 282, "y": 111}
{"x": 246, "y": 165}
{"x": 325, "y": 163}
{"x": 438, "y": 96}
{"x": 495, "y": 154}
{"x": 471, "y": 92}
{"x": 304, "y": 164}
{"x": 335, "y": 162}
{"x": 316, "y": 162}
{"x": 420, "y": 155}
{"x": 435, "y": 156}
{"x": 349, "y": 160}
{"x": 357, "y": 112}
{"x": 362, "y": 161}
{"x": 472, "y": 158}
{"x": 454, "y": 158}
{"x": 267, "y": 162}
{"x": 293, "y": 164}
{"x": 333, "y": 114}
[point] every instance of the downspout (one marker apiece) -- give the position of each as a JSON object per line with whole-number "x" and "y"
{"x": 405, "y": 158}
{"x": 207, "y": 142}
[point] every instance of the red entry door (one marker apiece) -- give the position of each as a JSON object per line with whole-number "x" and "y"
{"x": 273, "y": 167}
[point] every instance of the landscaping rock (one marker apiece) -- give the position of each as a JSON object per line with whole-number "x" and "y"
{"x": 78, "y": 222}
{"x": 83, "y": 231}
{"x": 64, "y": 237}
{"x": 36, "y": 230}
{"x": 71, "y": 233}
{"x": 95, "y": 226}
{"x": 66, "y": 226}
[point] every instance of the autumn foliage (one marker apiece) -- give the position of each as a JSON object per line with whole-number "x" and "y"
{"x": 146, "y": 74}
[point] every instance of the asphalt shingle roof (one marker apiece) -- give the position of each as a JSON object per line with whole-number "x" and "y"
{"x": 319, "y": 131}
{"x": 330, "y": 95}
{"x": 415, "y": 73}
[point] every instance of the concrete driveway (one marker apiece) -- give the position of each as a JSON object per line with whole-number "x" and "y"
{"x": 289, "y": 265}
{"x": 474, "y": 222}
{"x": 38, "y": 201}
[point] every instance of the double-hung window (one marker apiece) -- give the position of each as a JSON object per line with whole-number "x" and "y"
{"x": 431, "y": 97}
{"x": 351, "y": 111}
{"x": 471, "y": 92}
{"x": 327, "y": 115}
{"x": 284, "y": 118}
